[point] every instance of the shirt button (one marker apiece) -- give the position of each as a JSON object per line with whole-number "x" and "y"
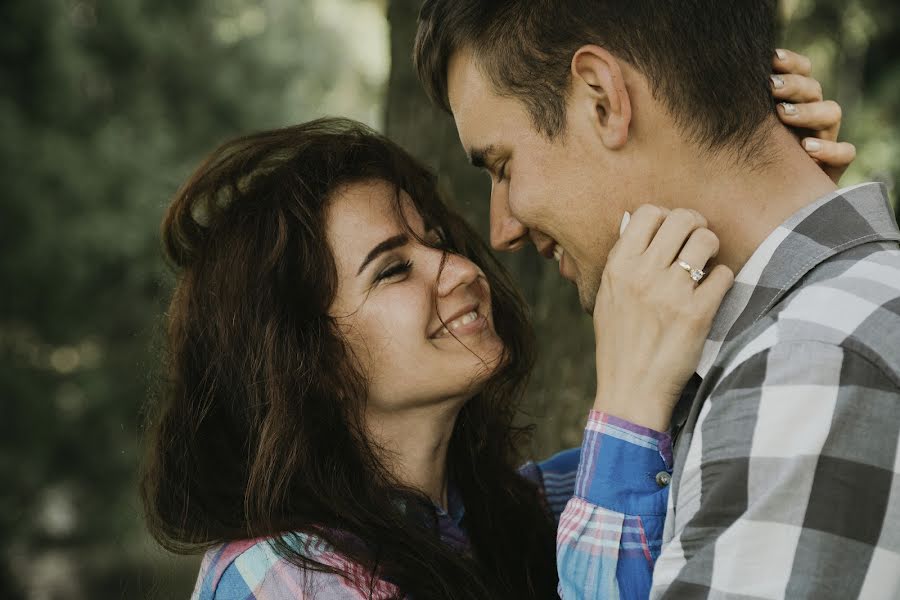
{"x": 663, "y": 478}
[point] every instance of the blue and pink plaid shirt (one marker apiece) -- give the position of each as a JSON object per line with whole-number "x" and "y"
{"x": 609, "y": 535}
{"x": 623, "y": 467}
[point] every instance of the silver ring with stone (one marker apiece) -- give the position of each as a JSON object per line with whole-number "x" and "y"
{"x": 696, "y": 274}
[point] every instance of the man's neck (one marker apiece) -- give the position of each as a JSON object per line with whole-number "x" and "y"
{"x": 416, "y": 443}
{"x": 744, "y": 206}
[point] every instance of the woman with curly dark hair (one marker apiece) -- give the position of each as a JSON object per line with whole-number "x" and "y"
{"x": 345, "y": 362}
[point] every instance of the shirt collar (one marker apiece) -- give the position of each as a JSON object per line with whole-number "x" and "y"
{"x": 455, "y": 509}
{"x": 837, "y": 222}
{"x": 449, "y": 522}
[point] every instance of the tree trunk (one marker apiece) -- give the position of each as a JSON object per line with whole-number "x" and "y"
{"x": 562, "y": 387}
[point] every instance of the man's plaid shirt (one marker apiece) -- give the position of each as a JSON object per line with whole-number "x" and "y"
{"x": 787, "y": 471}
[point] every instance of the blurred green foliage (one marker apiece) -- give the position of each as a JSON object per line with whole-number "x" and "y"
{"x": 105, "y": 107}
{"x": 854, "y": 48}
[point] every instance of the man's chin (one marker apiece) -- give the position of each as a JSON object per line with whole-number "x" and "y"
{"x": 587, "y": 294}
{"x": 584, "y": 299}
{"x": 587, "y": 303}
{"x": 587, "y": 287}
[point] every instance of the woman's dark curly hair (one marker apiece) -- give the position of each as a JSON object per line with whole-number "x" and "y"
{"x": 258, "y": 431}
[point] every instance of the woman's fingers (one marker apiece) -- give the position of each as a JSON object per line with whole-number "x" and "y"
{"x": 836, "y": 154}
{"x": 672, "y": 235}
{"x": 786, "y": 61}
{"x": 641, "y": 228}
{"x": 712, "y": 289}
{"x": 802, "y": 108}
{"x": 796, "y": 88}
{"x": 822, "y": 117}
{"x": 698, "y": 250}
{"x": 833, "y": 157}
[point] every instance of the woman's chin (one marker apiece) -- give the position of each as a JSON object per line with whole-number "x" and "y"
{"x": 477, "y": 379}
{"x": 489, "y": 363}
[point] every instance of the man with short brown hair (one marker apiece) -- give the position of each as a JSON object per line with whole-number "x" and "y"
{"x": 785, "y": 478}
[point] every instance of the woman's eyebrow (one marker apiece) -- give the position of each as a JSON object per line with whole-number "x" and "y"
{"x": 387, "y": 245}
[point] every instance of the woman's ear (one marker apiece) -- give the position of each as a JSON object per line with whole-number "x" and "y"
{"x": 599, "y": 86}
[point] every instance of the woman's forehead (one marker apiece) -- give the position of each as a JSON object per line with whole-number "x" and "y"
{"x": 363, "y": 215}
{"x": 371, "y": 206}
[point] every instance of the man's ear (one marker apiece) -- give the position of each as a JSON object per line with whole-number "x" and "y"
{"x": 600, "y": 86}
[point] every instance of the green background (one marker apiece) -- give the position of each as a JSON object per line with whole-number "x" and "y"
{"x": 105, "y": 108}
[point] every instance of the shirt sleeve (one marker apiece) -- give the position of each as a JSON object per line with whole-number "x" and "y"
{"x": 556, "y": 478}
{"x": 611, "y": 530}
{"x": 790, "y": 486}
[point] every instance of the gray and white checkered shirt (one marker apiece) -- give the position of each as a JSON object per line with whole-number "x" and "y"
{"x": 787, "y": 468}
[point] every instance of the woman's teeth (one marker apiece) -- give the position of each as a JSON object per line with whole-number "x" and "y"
{"x": 458, "y": 322}
{"x": 558, "y": 252}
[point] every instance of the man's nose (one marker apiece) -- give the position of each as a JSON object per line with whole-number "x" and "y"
{"x": 457, "y": 271}
{"x": 507, "y": 233}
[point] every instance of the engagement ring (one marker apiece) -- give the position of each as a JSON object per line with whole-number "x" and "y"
{"x": 696, "y": 274}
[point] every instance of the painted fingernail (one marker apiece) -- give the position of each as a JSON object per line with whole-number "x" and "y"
{"x": 626, "y": 218}
{"x": 781, "y": 54}
{"x": 812, "y": 145}
{"x": 777, "y": 81}
{"x": 789, "y": 109}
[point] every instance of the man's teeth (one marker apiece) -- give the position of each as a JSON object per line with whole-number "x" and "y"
{"x": 558, "y": 252}
{"x": 458, "y": 322}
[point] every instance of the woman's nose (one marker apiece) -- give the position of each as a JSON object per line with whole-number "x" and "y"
{"x": 456, "y": 271}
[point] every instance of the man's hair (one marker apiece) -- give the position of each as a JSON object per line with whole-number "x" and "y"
{"x": 707, "y": 61}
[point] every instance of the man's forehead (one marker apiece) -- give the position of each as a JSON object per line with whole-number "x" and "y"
{"x": 471, "y": 104}
{"x": 466, "y": 85}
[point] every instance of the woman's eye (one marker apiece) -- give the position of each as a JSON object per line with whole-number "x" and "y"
{"x": 394, "y": 270}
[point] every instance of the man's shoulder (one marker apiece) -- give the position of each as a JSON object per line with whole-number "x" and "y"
{"x": 850, "y": 303}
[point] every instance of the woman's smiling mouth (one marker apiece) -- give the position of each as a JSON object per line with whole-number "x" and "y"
{"x": 467, "y": 322}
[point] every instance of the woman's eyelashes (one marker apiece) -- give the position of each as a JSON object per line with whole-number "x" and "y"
{"x": 393, "y": 270}
{"x": 433, "y": 238}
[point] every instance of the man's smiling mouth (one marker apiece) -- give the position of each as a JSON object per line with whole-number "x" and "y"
{"x": 554, "y": 250}
{"x": 551, "y": 249}
{"x": 558, "y": 252}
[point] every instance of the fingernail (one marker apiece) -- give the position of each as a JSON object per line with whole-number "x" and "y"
{"x": 777, "y": 81}
{"x": 789, "y": 109}
{"x": 812, "y": 145}
{"x": 626, "y": 218}
{"x": 781, "y": 54}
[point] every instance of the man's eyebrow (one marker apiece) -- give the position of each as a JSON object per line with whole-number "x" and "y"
{"x": 479, "y": 157}
{"x": 386, "y": 246}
